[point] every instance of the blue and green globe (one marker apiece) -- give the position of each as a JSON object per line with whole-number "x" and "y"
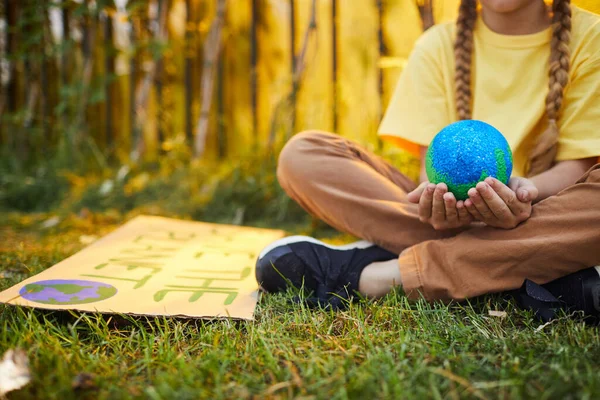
{"x": 67, "y": 291}
{"x": 465, "y": 153}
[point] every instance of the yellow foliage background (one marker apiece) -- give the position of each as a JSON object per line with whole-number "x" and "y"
{"x": 356, "y": 98}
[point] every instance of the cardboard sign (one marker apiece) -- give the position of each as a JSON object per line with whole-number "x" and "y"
{"x": 155, "y": 266}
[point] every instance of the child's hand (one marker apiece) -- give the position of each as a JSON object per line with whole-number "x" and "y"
{"x": 438, "y": 207}
{"x": 499, "y": 205}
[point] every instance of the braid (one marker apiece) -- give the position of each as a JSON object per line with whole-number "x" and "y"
{"x": 559, "y": 56}
{"x": 463, "y": 49}
{"x": 545, "y": 149}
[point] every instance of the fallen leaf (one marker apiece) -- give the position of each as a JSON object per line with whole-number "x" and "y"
{"x": 499, "y": 314}
{"x": 14, "y": 371}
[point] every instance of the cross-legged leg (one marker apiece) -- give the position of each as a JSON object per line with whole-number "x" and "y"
{"x": 355, "y": 191}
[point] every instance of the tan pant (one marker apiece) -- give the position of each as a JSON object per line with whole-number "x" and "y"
{"x": 357, "y": 192}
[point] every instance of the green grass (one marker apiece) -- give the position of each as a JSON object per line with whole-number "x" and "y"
{"x": 390, "y": 348}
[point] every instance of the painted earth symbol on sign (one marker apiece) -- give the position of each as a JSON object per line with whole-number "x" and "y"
{"x": 67, "y": 291}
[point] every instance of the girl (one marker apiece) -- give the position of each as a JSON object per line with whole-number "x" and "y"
{"x": 531, "y": 72}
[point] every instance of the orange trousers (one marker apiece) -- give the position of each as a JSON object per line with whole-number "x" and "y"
{"x": 357, "y": 192}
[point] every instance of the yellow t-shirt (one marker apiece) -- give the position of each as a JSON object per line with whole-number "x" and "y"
{"x": 509, "y": 85}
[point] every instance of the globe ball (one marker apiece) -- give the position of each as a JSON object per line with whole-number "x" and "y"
{"x": 465, "y": 153}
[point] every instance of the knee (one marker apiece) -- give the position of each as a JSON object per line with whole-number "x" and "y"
{"x": 298, "y": 155}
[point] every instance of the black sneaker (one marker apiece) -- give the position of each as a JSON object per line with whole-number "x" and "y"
{"x": 579, "y": 291}
{"x": 330, "y": 272}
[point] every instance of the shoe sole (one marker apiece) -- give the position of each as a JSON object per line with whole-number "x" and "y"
{"x": 361, "y": 244}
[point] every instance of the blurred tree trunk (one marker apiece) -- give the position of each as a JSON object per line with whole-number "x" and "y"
{"x": 8, "y": 100}
{"x": 109, "y": 75}
{"x": 82, "y": 124}
{"x": 163, "y": 8}
{"x": 288, "y": 103}
{"x": 159, "y": 33}
{"x": 44, "y": 74}
{"x": 188, "y": 66}
{"x": 212, "y": 48}
{"x": 66, "y": 136}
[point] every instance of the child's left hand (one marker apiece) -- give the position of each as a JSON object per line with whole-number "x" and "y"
{"x": 501, "y": 206}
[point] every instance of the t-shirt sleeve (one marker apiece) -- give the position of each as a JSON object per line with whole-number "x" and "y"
{"x": 578, "y": 124}
{"x": 419, "y": 105}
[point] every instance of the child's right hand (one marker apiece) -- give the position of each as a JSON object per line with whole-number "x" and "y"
{"x": 438, "y": 207}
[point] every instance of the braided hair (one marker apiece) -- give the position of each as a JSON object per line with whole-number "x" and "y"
{"x": 544, "y": 151}
{"x": 463, "y": 50}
